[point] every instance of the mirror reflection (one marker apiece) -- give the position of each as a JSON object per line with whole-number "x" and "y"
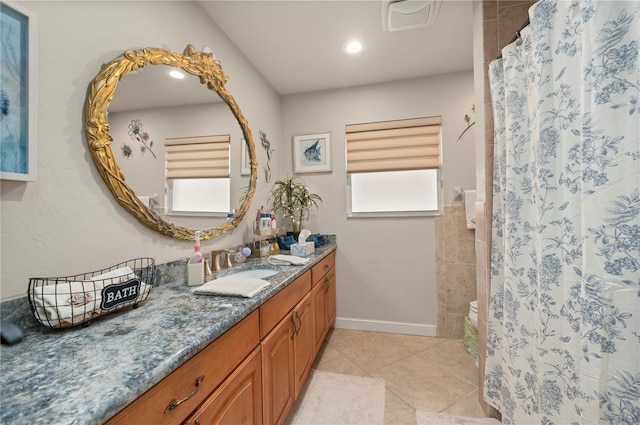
{"x": 150, "y": 107}
{"x": 129, "y": 131}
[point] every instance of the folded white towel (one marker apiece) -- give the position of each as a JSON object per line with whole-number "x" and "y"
{"x": 283, "y": 259}
{"x": 122, "y": 274}
{"x": 63, "y": 301}
{"x": 246, "y": 287}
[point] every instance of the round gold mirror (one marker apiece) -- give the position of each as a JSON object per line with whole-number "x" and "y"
{"x": 101, "y": 92}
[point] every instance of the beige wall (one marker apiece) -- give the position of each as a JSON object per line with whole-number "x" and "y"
{"x": 67, "y": 222}
{"x": 386, "y": 266}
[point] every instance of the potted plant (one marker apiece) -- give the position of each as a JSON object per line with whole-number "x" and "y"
{"x": 294, "y": 200}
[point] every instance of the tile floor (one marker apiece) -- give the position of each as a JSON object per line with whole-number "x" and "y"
{"x": 428, "y": 373}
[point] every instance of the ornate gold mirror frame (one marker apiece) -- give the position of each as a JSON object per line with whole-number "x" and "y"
{"x": 99, "y": 98}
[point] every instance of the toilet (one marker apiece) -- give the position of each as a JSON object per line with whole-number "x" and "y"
{"x": 473, "y": 313}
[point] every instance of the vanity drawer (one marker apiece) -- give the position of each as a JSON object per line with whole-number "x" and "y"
{"x": 323, "y": 266}
{"x": 215, "y": 362}
{"x": 277, "y": 307}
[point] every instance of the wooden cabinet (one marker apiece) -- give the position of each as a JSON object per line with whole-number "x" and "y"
{"x": 324, "y": 299}
{"x": 287, "y": 353}
{"x": 277, "y": 372}
{"x": 305, "y": 310}
{"x": 302, "y": 342}
{"x": 176, "y": 396}
{"x": 238, "y": 401}
{"x": 319, "y": 297}
{"x": 254, "y": 372}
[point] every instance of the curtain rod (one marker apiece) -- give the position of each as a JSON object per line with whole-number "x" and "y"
{"x": 517, "y": 36}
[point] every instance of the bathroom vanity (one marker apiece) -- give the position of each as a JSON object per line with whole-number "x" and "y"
{"x": 178, "y": 358}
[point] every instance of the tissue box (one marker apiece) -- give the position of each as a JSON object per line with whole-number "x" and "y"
{"x": 303, "y": 249}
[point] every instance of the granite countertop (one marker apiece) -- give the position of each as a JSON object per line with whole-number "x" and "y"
{"x": 86, "y": 375}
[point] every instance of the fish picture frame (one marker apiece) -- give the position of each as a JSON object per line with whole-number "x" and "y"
{"x": 312, "y": 153}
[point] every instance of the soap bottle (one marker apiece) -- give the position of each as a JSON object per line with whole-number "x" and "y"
{"x": 197, "y": 253}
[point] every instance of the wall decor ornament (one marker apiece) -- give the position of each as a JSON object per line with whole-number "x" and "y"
{"x": 467, "y": 119}
{"x": 17, "y": 93}
{"x": 137, "y": 134}
{"x": 312, "y": 153}
{"x": 267, "y": 146}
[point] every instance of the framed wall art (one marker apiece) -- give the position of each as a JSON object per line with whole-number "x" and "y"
{"x": 17, "y": 93}
{"x": 312, "y": 153}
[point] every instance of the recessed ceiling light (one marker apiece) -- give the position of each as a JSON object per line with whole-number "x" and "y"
{"x": 353, "y": 47}
{"x": 178, "y": 75}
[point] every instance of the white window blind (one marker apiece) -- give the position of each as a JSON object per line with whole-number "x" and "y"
{"x": 402, "y": 145}
{"x": 197, "y": 157}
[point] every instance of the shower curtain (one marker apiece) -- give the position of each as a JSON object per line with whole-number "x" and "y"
{"x": 563, "y": 337}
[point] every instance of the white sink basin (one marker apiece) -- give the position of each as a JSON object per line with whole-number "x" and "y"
{"x": 255, "y": 273}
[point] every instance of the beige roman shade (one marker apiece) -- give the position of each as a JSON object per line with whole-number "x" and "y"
{"x": 197, "y": 157}
{"x": 412, "y": 144}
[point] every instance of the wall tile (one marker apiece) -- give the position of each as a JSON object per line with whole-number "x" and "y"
{"x": 440, "y": 253}
{"x": 510, "y": 20}
{"x": 458, "y": 300}
{"x": 490, "y": 39}
{"x": 461, "y": 276}
{"x": 455, "y": 325}
{"x": 489, "y": 10}
{"x": 439, "y": 228}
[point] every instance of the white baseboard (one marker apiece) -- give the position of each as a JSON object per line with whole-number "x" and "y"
{"x": 382, "y": 326}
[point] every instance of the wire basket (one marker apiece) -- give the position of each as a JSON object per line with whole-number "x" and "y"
{"x": 60, "y": 302}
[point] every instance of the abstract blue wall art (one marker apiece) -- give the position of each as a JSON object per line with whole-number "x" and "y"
{"x": 17, "y": 94}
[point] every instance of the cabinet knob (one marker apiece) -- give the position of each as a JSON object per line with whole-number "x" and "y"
{"x": 175, "y": 403}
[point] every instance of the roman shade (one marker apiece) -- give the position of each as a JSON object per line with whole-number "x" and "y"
{"x": 198, "y": 157}
{"x": 411, "y": 144}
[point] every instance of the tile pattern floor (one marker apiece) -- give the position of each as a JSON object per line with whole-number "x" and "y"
{"x": 426, "y": 373}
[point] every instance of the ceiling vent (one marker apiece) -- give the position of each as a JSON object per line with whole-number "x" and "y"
{"x": 398, "y": 15}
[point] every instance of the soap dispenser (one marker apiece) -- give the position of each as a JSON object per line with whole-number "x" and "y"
{"x": 195, "y": 267}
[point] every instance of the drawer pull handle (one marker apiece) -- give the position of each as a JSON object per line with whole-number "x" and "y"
{"x": 300, "y": 321}
{"x": 295, "y": 331}
{"x": 327, "y": 284}
{"x": 175, "y": 403}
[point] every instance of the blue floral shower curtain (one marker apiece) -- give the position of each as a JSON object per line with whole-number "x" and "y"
{"x": 563, "y": 344}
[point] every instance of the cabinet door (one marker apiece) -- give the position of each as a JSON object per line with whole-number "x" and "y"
{"x": 330, "y": 298}
{"x": 278, "y": 372}
{"x": 238, "y": 401}
{"x": 318, "y": 299}
{"x": 172, "y": 400}
{"x": 302, "y": 341}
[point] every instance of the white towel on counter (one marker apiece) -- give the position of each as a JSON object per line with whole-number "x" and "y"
{"x": 286, "y": 260}
{"x": 246, "y": 287}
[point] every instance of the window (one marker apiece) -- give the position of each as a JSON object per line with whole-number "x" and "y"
{"x": 197, "y": 174}
{"x": 393, "y": 167}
